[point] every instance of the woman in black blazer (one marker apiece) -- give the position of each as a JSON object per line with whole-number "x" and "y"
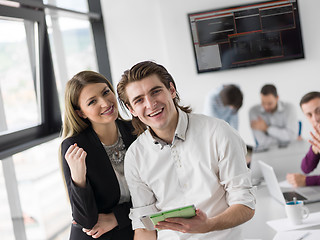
{"x": 95, "y": 139}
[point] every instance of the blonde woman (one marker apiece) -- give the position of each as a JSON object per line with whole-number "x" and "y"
{"x": 95, "y": 140}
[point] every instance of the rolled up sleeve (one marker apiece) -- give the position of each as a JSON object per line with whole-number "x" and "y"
{"x": 234, "y": 173}
{"x": 240, "y": 191}
{"x": 137, "y": 213}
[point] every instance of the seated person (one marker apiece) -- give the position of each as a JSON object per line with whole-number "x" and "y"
{"x": 273, "y": 123}
{"x": 224, "y": 103}
{"x": 310, "y": 105}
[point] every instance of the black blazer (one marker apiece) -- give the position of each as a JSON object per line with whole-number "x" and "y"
{"x": 102, "y": 191}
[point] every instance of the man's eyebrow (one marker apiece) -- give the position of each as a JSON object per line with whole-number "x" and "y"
{"x": 137, "y": 97}
{"x": 155, "y": 88}
{"x": 152, "y": 89}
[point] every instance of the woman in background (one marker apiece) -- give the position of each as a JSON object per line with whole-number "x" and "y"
{"x": 95, "y": 139}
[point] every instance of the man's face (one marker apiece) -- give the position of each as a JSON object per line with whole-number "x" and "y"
{"x": 152, "y": 103}
{"x": 311, "y": 110}
{"x": 269, "y": 102}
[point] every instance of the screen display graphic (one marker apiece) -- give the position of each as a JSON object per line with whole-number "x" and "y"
{"x": 246, "y": 35}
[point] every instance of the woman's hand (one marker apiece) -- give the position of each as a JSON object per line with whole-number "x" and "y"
{"x": 76, "y": 159}
{"x": 106, "y": 222}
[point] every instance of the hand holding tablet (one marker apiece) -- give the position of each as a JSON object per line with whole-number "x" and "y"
{"x": 184, "y": 212}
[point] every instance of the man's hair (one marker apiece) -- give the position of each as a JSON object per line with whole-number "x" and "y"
{"x": 138, "y": 72}
{"x": 269, "y": 89}
{"x": 231, "y": 95}
{"x": 308, "y": 97}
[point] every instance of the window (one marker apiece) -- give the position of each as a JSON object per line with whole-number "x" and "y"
{"x": 78, "y": 5}
{"x": 42, "y": 45}
{"x": 28, "y": 77}
{"x": 6, "y": 227}
{"x": 18, "y": 74}
{"x": 44, "y": 202}
{"x": 71, "y": 40}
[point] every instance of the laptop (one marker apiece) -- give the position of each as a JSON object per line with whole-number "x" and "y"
{"x": 305, "y": 194}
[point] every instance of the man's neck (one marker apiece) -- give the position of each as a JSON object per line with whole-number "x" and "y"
{"x": 168, "y": 133}
{"x": 166, "y": 136}
{"x": 275, "y": 109}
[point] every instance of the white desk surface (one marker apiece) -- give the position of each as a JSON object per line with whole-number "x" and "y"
{"x": 283, "y": 160}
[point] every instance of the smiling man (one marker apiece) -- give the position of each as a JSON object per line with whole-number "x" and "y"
{"x": 181, "y": 159}
{"x": 273, "y": 122}
{"x": 310, "y": 105}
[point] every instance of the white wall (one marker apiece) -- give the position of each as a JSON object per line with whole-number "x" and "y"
{"x": 158, "y": 30}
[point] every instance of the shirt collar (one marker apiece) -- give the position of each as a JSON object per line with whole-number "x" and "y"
{"x": 280, "y": 107}
{"x": 180, "y": 132}
{"x": 182, "y": 126}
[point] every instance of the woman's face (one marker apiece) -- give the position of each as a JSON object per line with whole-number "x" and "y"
{"x": 98, "y": 104}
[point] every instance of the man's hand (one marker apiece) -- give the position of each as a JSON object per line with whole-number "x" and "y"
{"x": 315, "y": 142}
{"x": 196, "y": 224}
{"x": 233, "y": 216}
{"x": 296, "y": 179}
{"x": 259, "y": 124}
{"x": 106, "y": 222}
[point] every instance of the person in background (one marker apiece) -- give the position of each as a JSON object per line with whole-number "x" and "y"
{"x": 224, "y": 103}
{"x": 310, "y": 105}
{"x": 95, "y": 140}
{"x": 171, "y": 165}
{"x": 273, "y": 122}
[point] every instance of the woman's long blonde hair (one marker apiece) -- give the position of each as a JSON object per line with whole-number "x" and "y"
{"x": 73, "y": 124}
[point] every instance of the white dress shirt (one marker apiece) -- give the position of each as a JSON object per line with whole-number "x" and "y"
{"x": 205, "y": 165}
{"x": 282, "y": 125}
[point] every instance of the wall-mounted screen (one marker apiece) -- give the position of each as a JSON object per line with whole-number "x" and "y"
{"x": 246, "y": 35}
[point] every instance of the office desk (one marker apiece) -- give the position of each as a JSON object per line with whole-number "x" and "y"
{"x": 283, "y": 160}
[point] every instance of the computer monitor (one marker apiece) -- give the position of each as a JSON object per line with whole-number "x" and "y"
{"x": 246, "y": 35}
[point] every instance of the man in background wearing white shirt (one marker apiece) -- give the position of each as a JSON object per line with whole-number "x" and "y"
{"x": 273, "y": 122}
{"x": 181, "y": 159}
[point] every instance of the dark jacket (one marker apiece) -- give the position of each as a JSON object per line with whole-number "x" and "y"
{"x": 102, "y": 191}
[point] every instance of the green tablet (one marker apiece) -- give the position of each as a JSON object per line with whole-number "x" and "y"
{"x": 184, "y": 212}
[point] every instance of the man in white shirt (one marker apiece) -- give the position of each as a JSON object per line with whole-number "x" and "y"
{"x": 180, "y": 159}
{"x": 273, "y": 123}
